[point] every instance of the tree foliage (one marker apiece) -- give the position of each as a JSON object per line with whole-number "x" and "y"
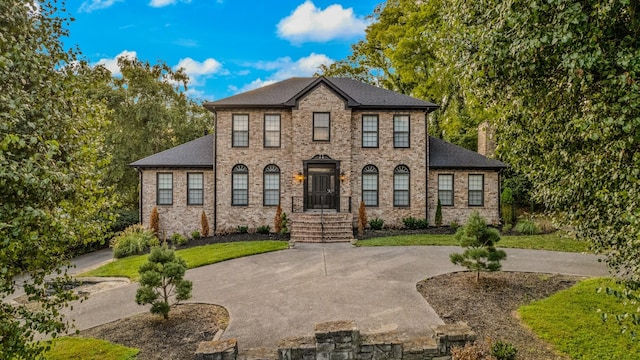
{"x": 479, "y": 242}
{"x": 51, "y": 191}
{"x": 147, "y": 104}
{"x": 161, "y": 280}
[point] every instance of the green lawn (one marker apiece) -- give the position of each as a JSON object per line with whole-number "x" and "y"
{"x": 554, "y": 242}
{"x": 70, "y": 348}
{"x": 570, "y": 321}
{"x": 195, "y": 257}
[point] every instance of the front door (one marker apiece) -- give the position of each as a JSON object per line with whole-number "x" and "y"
{"x": 321, "y": 186}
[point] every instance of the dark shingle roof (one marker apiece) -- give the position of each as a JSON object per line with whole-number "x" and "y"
{"x": 194, "y": 154}
{"x": 446, "y": 155}
{"x": 357, "y": 95}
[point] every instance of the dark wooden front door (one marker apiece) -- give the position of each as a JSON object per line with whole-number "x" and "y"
{"x": 321, "y": 186}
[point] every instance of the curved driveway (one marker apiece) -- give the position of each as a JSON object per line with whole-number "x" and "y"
{"x": 281, "y": 294}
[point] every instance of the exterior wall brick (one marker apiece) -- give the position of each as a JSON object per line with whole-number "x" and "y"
{"x": 179, "y": 217}
{"x": 460, "y": 211}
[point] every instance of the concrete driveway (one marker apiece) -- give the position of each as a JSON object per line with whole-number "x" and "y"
{"x": 276, "y": 295}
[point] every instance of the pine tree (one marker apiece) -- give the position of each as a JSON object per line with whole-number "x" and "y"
{"x": 204, "y": 223}
{"x": 362, "y": 218}
{"x": 154, "y": 222}
{"x": 438, "y": 218}
{"x": 277, "y": 221}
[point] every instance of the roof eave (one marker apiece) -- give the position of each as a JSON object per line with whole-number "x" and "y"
{"x": 156, "y": 166}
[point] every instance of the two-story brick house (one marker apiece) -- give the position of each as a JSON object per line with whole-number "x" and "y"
{"x": 317, "y": 147}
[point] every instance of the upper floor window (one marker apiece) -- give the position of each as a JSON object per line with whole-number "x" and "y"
{"x": 401, "y": 186}
{"x": 445, "y": 189}
{"x": 240, "y": 185}
{"x": 370, "y": 131}
{"x": 321, "y": 126}
{"x": 370, "y": 185}
{"x": 165, "y": 189}
{"x": 271, "y": 185}
{"x": 240, "y": 130}
{"x": 195, "y": 188}
{"x": 272, "y": 130}
{"x": 401, "y": 131}
{"x": 476, "y": 190}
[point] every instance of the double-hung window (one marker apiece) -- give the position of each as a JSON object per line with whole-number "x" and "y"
{"x": 401, "y": 181}
{"x": 476, "y": 190}
{"x": 271, "y": 185}
{"x": 370, "y": 185}
{"x": 370, "y": 131}
{"x": 195, "y": 188}
{"x": 240, "y": 130}
{"x": 272, "y": 130}
{"x": 240, "y": 186}
{"x": 445, "y": 189}
{"x": 321, "y": 126}
{"x": 401, "y": 131}
{"x": 165, "y": 189}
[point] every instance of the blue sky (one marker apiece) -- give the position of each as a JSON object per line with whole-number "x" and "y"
{"x": 226, "y": 46}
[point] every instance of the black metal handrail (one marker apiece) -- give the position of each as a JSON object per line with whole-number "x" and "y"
{"x": 325, "y": 202}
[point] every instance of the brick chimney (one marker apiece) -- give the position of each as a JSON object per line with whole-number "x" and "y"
{"x": 486, "y": 140}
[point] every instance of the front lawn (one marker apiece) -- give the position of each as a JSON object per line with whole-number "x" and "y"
{"x": 195, "y": 257}
{"x": 70, "y": 348}
{"x": 553, "y": 242}
{"x": 570, "y": 321}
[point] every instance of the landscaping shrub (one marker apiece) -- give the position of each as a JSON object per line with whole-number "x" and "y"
{"x": 161, "y": 278}
{"x": 503, "y": 350}
{"x": 479, "y": 242}
{"x": 438, "y": 219}
{"x": 242, "y": 229}
{"x": 454, "y": 225}
{"x": 204, "y": 223}
{"x": 124, "y": 219}
{"x": 277, "y": 221}
{"x": 474, "y": 351}
{"x": 178, "y": 239}
{"x": 362, "y": 218}
{"x": 134, "y": 240}
{"x": 264, "y": 229}
{"x": 195, "y": 234}
{"x": 154, "y": 222}
{"x": 527, "y": 227}
{"x": 376, "y": 223}
{"x": 506, "y": 228}
{"x": 506, "y": 202}
{"x": 412, "y": 223}
{"x": 284, "y": 229}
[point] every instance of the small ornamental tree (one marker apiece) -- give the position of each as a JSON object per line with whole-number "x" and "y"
{"x": 479, "y": 242}
{"x": 154, "y": 221}
{"x": 161, "y": 278}
{"x": 362, "y": 218}
{"x": 277, "y": 221}
{"x": 204, "y": 223}
{"x": 438, "y": 218}
{"x": 506, "y": 203}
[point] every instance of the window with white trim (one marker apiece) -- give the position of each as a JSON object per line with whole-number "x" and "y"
{"x": 445, "y": 189}
{"x": 240, "y": 186}
{"x": 271, "y": 191}
{"x": 240, "y": 130}
{"x": 476, "y": 190}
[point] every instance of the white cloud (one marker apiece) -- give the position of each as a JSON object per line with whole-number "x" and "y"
{"x": 91, "y": 5}
{"x": 285, "y": 68}
{"x": 309, "y": 23}
{"x": 199, "y": 70}
{"x": 112, "y": 63}
{"x": 163, "y": 3}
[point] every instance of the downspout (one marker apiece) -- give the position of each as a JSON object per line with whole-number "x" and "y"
{"x": 426, "y": 161}
{"x": 140, "y": 193}
{"x": 215, "y": 172}
{"x": 500, "y": 197}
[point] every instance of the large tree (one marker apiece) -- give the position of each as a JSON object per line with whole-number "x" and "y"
{"x": 51, "y": 195}
{"x": 150, "y": 112}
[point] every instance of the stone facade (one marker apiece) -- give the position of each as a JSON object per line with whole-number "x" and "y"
{"x": 178, "y": 217}
{"x": 461, "y": 210}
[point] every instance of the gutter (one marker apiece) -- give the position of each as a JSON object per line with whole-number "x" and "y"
{"x": 215, "y": 171}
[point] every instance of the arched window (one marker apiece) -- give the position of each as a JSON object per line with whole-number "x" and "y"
{"x": 240, "y": 185}
{"x": 271, "y": 190}
{"x": 370, "y": 185}
{"x": 401, "y": 177}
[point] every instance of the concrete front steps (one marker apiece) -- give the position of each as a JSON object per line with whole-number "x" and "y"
{"x": 307, "y": 227}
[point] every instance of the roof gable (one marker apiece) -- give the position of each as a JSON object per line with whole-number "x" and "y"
{"x": 194, "y": 154}
{"x": 355, "y": 93}
{"x": 443, "y": 154}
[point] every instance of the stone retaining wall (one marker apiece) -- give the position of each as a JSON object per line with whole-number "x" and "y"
{"x": 341, "y": 340}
